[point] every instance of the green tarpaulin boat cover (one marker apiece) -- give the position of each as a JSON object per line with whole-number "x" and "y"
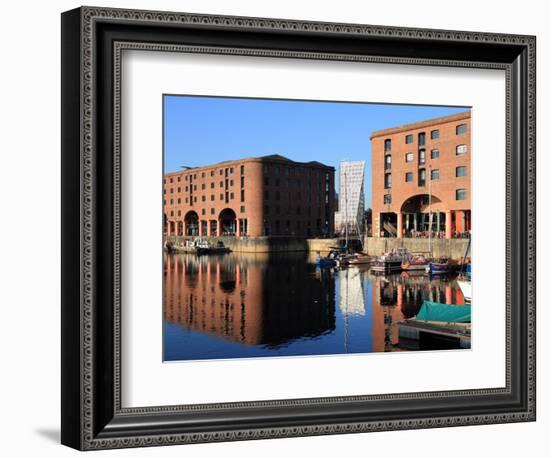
{"x": 434, "y": 311}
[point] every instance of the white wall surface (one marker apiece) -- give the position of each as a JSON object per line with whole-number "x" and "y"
{"x": 30, "y": 229}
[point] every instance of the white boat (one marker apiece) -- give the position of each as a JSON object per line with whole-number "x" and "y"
{"x": 466, "y": 288}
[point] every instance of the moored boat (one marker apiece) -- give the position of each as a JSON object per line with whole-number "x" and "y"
{"x": 466, "y": 288}
{"x": 415, "y": 263}
{"x": 331, "y": 260}
{"x": 202, "y": 247}
{"x": 447, "y": 313}
{"x": 391, "y": 261}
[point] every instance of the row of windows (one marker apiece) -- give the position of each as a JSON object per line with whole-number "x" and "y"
{"x": 227, "y": 196}
{"x": 277, "y": 210}
{"x": 203, "y": 186}
{"x": 460, "y": 171}
{"x": 434, "y": 135}
{"x": 461, "y": 150}
{"x": 460, "y": 194}
{"x": 191, "y": 177}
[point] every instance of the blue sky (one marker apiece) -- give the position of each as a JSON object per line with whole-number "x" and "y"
{"x": 205, "y": 130}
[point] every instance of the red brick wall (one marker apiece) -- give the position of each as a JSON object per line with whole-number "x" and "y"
{"x": 286, "y": 197}
{"x": 444, "y": 189}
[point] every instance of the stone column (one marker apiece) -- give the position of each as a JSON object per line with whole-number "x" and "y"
{"x": 415, "y": 222}
{"x": 168, "y": 229}
{"x": 400, "y": 225}
{"x": 238, "y": 231}
{"x": 209, "y": 228}
{"x": 438, "y": 228}
{"x": 449, "y": 225}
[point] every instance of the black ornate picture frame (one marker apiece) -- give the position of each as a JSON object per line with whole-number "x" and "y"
{"x": 92, "y": 42}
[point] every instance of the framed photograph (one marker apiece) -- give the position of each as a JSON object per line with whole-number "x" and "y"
{"x": 278, "y": 228}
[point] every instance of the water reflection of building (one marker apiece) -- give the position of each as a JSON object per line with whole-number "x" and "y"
{"x": 350, "y": 287}
{"x": 241, "y": 299}
{"x": 399, "y": 297}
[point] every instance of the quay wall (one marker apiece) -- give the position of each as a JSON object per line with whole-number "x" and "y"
{"x": 263, "y": 244}
{"x": 452, "y": 248}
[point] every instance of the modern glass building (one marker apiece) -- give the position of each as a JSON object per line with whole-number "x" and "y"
{"x": 351, "y": 198}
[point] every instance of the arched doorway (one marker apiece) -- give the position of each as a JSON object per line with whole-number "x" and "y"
{"x": 228, "y": 222}
{"x": 422, "y": 214}
{"x": 191, "y": 224}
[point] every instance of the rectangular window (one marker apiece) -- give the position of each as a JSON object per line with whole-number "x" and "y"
{"x": 242, "y": 208}
{"x": 461, "y": 171}
{"x": 422, "y": 177}
{"x": 203, "y": 211}
{"x": 460, "y": 194}
{"x": 212, "y": 173}
{"x": 409, "y": 139}
{"x": 408, "y": 176}
{"x": 461, "y": 150}
{"x": 230, "y": 182}
{"x": 387, "y": 181}
{"x": 266, "y": 195}
{"x": 434, "y": 134}
{"x": 212, "y": 211}
{"x": 203, "y": 175}
{"x": 422, "y": 157}
{"x": 387, "y": 145}
{"x": 179, "y": 200}
{"x": 212, "y": 197}
{"x": 434, "y": 154}
{"x": 242, "y": 195}
{"x": 203, "y": 186}
{"x": 387, "y": 198}
{"x": 221, "y": 196}
{"x": 409, "y": 157}
{"x": 277, "y": 195}
{"x": 461, "y": 129}
{"x": 434, "y": 175}
{"x": 204, "y": 198}
{"x": 212, "y": 185}
{"x": 387, "y": 162}
{"x": 242, "y": 169}
{"x": 421, "y": 138}
{"x": 232, "y": 196}
{"x": 266, "y": 181}
{"x": 242, "y": 182}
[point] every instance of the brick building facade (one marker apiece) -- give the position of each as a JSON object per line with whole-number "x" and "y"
{"x": 269, "y": 195}
{"x": 421, "y": 169}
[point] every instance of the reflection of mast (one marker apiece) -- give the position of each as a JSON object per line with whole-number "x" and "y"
{"x": 346, "y": 323}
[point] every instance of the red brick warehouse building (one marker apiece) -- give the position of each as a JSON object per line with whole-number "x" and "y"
{"x": 417, "y": 163}
{"x": 264, "y": 196}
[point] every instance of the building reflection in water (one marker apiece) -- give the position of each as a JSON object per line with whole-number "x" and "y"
{"x": 239, "y": 305}
{"x": 251, "y": 299}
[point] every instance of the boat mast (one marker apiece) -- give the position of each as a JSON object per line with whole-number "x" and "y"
{"x": 430, "y": 214}
{"x": 346, "y": 209}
